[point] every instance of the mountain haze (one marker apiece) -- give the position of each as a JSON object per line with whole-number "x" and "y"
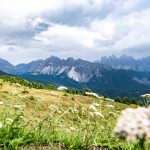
{"x": 6, "y": 67}
{"x": 127, "y": 63}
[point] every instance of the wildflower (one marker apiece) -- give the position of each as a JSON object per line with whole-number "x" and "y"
{"x": 109, "y": 106}
{"x": 96, "y": 104}
{"x": 146, "y": 99}
{"x": 62, "y": 88}
{"x": 94, "y": 114}
{"x": 1, "y": 102}
{"x": 72, "y": 129}
{"x": 93, "y": 108}
{"x": 99, "y": 114}
{"x": 108, "y": 99}
{"x": 134, "y": 124}
{"x": 1, "y": 125}
{"x": 52, "y": 107}
{"x": 145, "y": 96}
{"x": 92, "y": 94}
{"x": 59, "y": 112}
{"x": 16, "y": 107}
{"x": 102, "y": 127}
{"x": 24, "y": 106}
{"x": 9, "y": 121}
{"x": 111, "y": 113}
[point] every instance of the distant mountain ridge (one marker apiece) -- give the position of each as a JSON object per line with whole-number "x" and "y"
{"x": 78, "y": 70}
{"x": 6, "y": 67}
{"x": 127, "y": 63}
{"x": 112, "y": 76}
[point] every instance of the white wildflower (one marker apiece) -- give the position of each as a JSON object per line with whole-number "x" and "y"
{"x": 146, "y": 99}
{"x": 134, "y": 124}
{"x": 1, "y": 125}
{"x": 96, "y": 104}
{"x": 109, "y": 106}
{"x": 61, "y": 88}
{"x": 111, "y": 113}
{"x": 102, "y": 127}
{"x": 18, "y": 85}
{"x": 9, "y": 121}
{"x": 108, "y": 99}
{"x": 72, "y": 129}
{"x": 92, "y": 94}
{"x": 16, "y": 107}
{"x": 1, "y": 102}
{"x": 92, "y": 114}
{"x": 145, "y": 96}
{"x": 23, "y": 106}
{"x": 98, "y": 114}
{"x": 52, "y": 107}
{"x": 93, "y": 108}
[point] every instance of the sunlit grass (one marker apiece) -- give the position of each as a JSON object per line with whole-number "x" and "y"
{"x": 53, "y": 120}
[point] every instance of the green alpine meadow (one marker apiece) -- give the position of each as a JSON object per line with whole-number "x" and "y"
{"x": 74, "y": 74}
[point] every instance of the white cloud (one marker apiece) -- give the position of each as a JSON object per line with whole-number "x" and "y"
{"x": 63, "y": 34}
{"x": 33, "y": 29}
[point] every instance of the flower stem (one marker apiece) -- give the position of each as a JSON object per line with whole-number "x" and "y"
{"x": 142, "y": 144}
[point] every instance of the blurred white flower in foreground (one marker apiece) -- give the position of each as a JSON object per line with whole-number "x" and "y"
{"x": 134, "y": 124}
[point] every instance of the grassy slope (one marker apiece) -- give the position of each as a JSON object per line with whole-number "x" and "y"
{"x": 60, "y": 121}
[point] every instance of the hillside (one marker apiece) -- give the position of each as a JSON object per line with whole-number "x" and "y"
{"x": 2, "y": 73}
{"x": 52, "y": 119}
{"x": 112, "y": 83}
{"x": 6, "y": 66}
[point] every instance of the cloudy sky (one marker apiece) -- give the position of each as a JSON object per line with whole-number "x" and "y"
{"x": 89, "y": 29}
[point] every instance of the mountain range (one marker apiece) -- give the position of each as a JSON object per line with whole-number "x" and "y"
{"x": 111, "y": 76}
{"x": 127, "y": 63}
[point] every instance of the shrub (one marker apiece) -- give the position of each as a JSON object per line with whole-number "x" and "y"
{"x": 73, "y": 99}
{"x": 65, "y": 94}
{"x": 25, "y": 91}
{"x": 32, "y": 98}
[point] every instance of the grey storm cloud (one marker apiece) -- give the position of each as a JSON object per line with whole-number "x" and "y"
{"x": 87, "y": 29}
